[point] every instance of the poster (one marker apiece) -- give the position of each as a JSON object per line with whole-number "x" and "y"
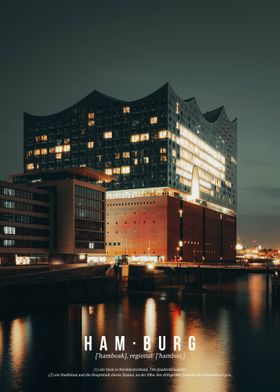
{"x": 139, "y": 228}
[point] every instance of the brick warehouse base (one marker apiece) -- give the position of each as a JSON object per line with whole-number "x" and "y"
{"x": 166, "y": 227}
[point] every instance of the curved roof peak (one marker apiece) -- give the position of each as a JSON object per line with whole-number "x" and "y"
{"x": 213, "y": 115}
{"x": 164, "y": 86}
{"x": 189, "y": 99}
{"x": 107, "y": 98}
{"x": 100, "y": 94}
{"x": 210, "y": 116}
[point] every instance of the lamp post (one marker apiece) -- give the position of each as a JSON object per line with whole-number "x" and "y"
{"x": 149, "y": 249}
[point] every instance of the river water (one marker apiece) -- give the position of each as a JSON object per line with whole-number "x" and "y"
{"x": 237, "y": 343}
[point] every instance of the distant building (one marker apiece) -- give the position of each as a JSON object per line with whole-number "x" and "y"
{"x": 157, "y": 145}
{"x": 69, "y": 202}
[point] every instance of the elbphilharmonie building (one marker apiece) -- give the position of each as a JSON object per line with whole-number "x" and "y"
{"x": 174, "y": 169}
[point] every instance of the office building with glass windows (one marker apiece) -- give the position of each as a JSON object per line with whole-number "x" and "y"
{"x": 25, "y": 224}
{"x": 156, "y": 146}
{"x": 60, "y": 214}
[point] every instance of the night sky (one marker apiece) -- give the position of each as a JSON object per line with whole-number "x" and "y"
{"x": 53, "y": 53}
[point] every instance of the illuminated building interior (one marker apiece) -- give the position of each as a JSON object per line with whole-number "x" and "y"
{"x": 152, "y": 142}
{"x": 160, "y": 149}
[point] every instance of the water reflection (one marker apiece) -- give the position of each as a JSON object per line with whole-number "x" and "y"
{"x": 150, "y": 320}
{"x": 15, "y": 349}
{"x": 100, "y": 318}
{"x": 32, "y": 346}
{"x": 256, "y": 289}
{"x": 211, "y": 355}
{"x": 74, "y": 336}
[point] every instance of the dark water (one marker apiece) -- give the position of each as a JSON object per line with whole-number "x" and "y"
{"x": 237, "y": 334}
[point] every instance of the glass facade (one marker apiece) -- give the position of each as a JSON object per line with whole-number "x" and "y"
{"x": 24, "y": 218}
{"x": 23, "y": 194}
{"x": 18, "y": 243}
{"x": 24, "y": 231}
{"x": 34, "y": 220}
{"x": 89, "y": 218}
{"x": 160, "y": 140}
{"x": 19, "y": 205}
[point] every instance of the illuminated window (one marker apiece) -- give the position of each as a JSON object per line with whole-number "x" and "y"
{"x": 44, "y": 151}
{"x": 174, "y": 153}
{"x": 162, "y": 150}
{"x": 90, "y": 145}
{"x": 107, "y": 135}
{"x": 125, "y": 169}
{"x": 58, "y": 156}
{"x": 177, "y": 125}
{"x": 9, "y": 191}
{"x": 91, "y": 123}
{"x": 8, "y": 204}
{"x": 117, "y": 170}
{"x": 177, "y": 108}
{"x": 154, "y": 120}
{"x": 37, "y": 152}
{"x": 162, "y": 134}
{"x": 29, "y": 153}
{"x": 126, "y": 154}
{"x": 41, "y": 138}
{"x": 51, "y": 150}
{"x": 67, "y": 148}
{"x": 9, "y": 242}
{"x": 109, "y": 171}
{"x": 9, "y": 230}
{"x": 139, "y": 137}
{"x": 163, "y": 158}
{"x": 58, "y": 149}
{"x": 90, "y": 116}
{"x": 228, "y": 183}
{"x": 126, "y": 109}
{"x": 146, "y": 159}
{"x": 66, "y": 141}
{"x": 233, "y": 160}
{"x": 134, "y": 138}
{"x": 136, "y": 161}
{"x": 117, "y": 155}
{"x": 144, "y": 136}
{"x": 30, "y": 166}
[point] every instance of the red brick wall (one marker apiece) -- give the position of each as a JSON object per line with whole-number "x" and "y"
{"x": 137, "y": 224}
{"x": 173, "y": 227}
{"x": 229, "y": 237}
{"x": 155, "y": 221}
{"x": 212, "y": 235}
{"x": 192, "y": 249}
